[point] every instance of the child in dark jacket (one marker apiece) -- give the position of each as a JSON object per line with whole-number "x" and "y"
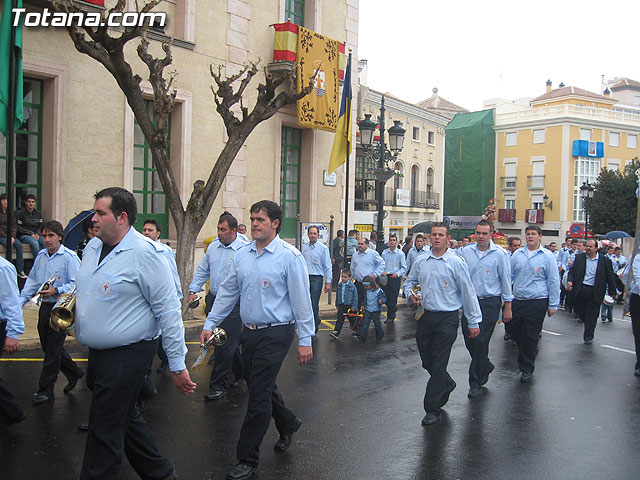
{"x": 346, "y": 298}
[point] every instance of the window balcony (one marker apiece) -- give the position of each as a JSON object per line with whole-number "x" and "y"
{"x": 508, "y": 183}
{"x": 535, "y": 182}
{"x": 416, "y": 199}
{"x": 532, "y": 215}
{"x": 507, "y": 215}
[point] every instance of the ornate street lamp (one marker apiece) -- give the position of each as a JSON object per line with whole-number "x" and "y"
{"x": 586, "y": 193}
{"x": 396, "y": 140}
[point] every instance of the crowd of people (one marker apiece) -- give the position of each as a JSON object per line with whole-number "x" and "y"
{"x": 262, "y": 293}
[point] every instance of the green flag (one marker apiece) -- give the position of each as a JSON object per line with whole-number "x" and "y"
{"x": 5, "y": 57}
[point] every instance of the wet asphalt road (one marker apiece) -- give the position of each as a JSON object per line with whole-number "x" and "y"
{"x": 361, "y": 406}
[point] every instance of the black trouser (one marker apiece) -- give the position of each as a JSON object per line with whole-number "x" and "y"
{"x": 115, "y": 377}
{"x": 435, "y": 335}
{"x": 634, "y": 309}
{"x": 391, "y": 291}
{"x": 620, "y": 288}
{"x": 528, "y": 317}
{"x": 588, "y": 311}
{"x": 563, "y": 291}
{"x": 262, "y": 354}
{"x": 336, "y": 272}
{"x": 8, "y": 405}
{"x": 56, "y": 358}
{"x": 227, "y": 357}
{"x": 361, "y": 293}
{"x": 479, "y": 347}
{"x": 342, "y": 309}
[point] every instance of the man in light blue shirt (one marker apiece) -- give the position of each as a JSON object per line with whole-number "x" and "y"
{"x": 58, "y": 261}
{"x": 316, "y": 254}
{"x": 395, "y": 266}
{"x": 445, "y": 288}
{"x": 215, "y": 266}
{"x": 490, "y": 273}
{"x": 633, "y": 287}
{"x": 11, "y": 327}
{"x": 419, "y": 248}
{"x": 125, "y": 296}
{"x": 271, "y": 278}
{"x": 536, "y": 292}
{"x": 365, "y": 262}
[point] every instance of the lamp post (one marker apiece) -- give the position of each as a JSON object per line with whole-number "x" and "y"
{"x": 586, "y": 193}
{"x": 396, "y": 140}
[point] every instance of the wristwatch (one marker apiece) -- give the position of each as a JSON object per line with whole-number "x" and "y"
{"x": 56, "y": 290}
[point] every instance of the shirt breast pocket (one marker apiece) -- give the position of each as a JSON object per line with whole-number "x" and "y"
{"x": 106, "y": 288}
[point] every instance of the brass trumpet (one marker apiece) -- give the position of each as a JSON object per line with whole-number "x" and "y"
{"x": 217, "y": 339}
{"x": 37, "y": 298}
{"x": 62, "y": 316}
{"x": 415, "y": 290}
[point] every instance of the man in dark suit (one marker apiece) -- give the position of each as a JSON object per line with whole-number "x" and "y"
{"x": 588, "y": 280}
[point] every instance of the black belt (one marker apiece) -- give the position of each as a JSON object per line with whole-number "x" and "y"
{"x": 267, "y": 325}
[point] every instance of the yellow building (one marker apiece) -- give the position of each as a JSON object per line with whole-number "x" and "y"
{"x": 547, "y": 147}
{"x": 80, "y": 135}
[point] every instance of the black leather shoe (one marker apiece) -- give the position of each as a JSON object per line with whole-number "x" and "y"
{"x": 83, "y": 427}
{"x": 215, "y": 395}
{"x": 72, "y": 384}
{"x": 445, "y": 397}
{"x": 430, "y": 419}
{"x": 286, "y": 439}
{"x": 637, "y": 372}
{"x": 474, "y": 392}
{"x": 526, "y": 377}
{"x": 40, "y": 398}
{"x": 588, "y": 342}
{"x": 485, "y": 377}
{"x": 242, "y": 470}
{"x": 236, "y": 383}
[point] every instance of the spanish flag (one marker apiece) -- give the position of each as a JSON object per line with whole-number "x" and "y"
{"x": 342, "y": 141}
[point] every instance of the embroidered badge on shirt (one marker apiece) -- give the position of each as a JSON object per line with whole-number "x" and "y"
{"x": 265, "y": 283}
{"x": 445, "y": 283}
{"x": 105, "y": 289}
{"x": 538, "y": 270}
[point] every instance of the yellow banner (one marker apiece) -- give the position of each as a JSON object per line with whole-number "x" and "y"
{"x": 319, "y": 109}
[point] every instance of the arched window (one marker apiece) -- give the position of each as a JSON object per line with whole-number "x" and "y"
{"x": 415, "y": 179}
{"x": 429, "y": 181}
{"x": 397, "y": 181}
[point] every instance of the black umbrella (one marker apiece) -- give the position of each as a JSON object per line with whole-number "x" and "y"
{"x": 616, "y": 234}
{"x": 74, "y": 232}
{"x": 422, "y": 227}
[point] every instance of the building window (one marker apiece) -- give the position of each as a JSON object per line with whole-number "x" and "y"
{"x": 294, "y": 11}
{"x": 416, "y": 134}
{"x": 614, "y": 139}
{"x": 429, "y": 181}
{"x": 397, "y": 180}
{"x": 290, "y": 179}
{"x": 147, "y": 188}
{"x": 510, "y": 203}
{"x": 431, "y": 137}
{"x": 28, "y": 148}
{"x": 537, "y": 203}
{"x": 512, "y": 139}
{"x": 636, "y": 100}
{"x": 585, "y": 134}
{"x": 613, "y": 165}
{"x": 586, "y": 170}
{"x": 539, "y": 136}
{"x": 632, "y": 141}
{"x": 365, "y": 194}
{"x": 415, "y": 178}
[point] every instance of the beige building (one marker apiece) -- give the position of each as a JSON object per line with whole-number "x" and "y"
{"x": 80, "y": 135}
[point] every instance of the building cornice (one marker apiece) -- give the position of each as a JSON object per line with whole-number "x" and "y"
{"x": 374, "y": 97}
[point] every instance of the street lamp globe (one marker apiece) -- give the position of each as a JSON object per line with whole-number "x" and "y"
{"x": 396, "y": 136}
{"x": 584, "y": 190}
{"x": 367, "y": 127}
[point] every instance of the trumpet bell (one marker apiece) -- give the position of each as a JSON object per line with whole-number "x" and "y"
{"x": 62, "y": 316}
{"x": 217, "y": 339}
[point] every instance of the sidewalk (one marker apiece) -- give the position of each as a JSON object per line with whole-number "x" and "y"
{"x": 31, "y": 340}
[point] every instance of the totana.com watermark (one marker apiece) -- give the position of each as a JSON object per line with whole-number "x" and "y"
{"x": 87, "y": 19}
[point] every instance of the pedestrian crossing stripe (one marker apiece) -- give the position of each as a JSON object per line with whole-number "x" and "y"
{"x": 618, "y": 349}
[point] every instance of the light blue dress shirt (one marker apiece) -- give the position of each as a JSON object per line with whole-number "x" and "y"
{"x": 536, "y": 276}
{"x": 445, "y": 285}
{"x": 590, "y": 270}
{"x": 569, "y": 259}
{"x": 216, "y": 264}
{"x": 10, "y": 307}
{"x": 128, "y": 297}
{"x": 367, "y": 263}
{"x": 635, "y": 275}
{"x": 170, "y": 255}
{"x": 413, "y": 255}
{"x": 562, "y": 256}
{"x": 618, "y": 262}
{"x": 373, "y": 298}
{"x": 274, "y": 287}
{"x": 318, "y": 260}
{"x": 491, "y": 272}
{"x": 395, "y": 262}
{"x": 64, "y": 263}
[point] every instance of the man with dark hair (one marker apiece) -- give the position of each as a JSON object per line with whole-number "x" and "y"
{"x": 126, "y": 296}
{"x": 373, "y": 238}
{"x": 29, "y": 220}
{"x": 536, "y": 291}
{"x": 242, "y": 228}
{"x": 445, "y": 288}
{"x": 408, "y": 243}
{"x": 337, "y": 259}
{"x": 513, "y": 243}
{"x": 316, "y": 254}
{"x": 490, "y": 273}
{"x": 416, "y": 251}
{"x": 270, "y": 277}
{"x": 365, "y": 262}
{"x": 58, "y": 261}
{"x": 215, "y": 266}
{"x": 588, "y": 280}
{"x": 8, "y": 235}
{"x": 352, "y": 246}
{"x": 395, "y": 267}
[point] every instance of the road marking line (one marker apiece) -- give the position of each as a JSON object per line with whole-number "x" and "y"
{"x": 552, "y": 333}
{"x": 37, "y": 359}
{"x": 618, "y": 349}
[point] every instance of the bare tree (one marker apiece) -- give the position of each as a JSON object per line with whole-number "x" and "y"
{"x": 107, "y": 47}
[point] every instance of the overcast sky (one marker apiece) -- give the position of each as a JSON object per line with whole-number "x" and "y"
{"x": 476, "y": 50}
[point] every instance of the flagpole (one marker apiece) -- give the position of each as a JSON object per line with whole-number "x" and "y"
{"x": 346, "y": 191}
{"x": 10, "y": 135}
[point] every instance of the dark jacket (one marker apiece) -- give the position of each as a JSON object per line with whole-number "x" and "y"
{"x": 29, "y": 222}
{"x": 604, "y": 277}
{"x": 3, "y": 225}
